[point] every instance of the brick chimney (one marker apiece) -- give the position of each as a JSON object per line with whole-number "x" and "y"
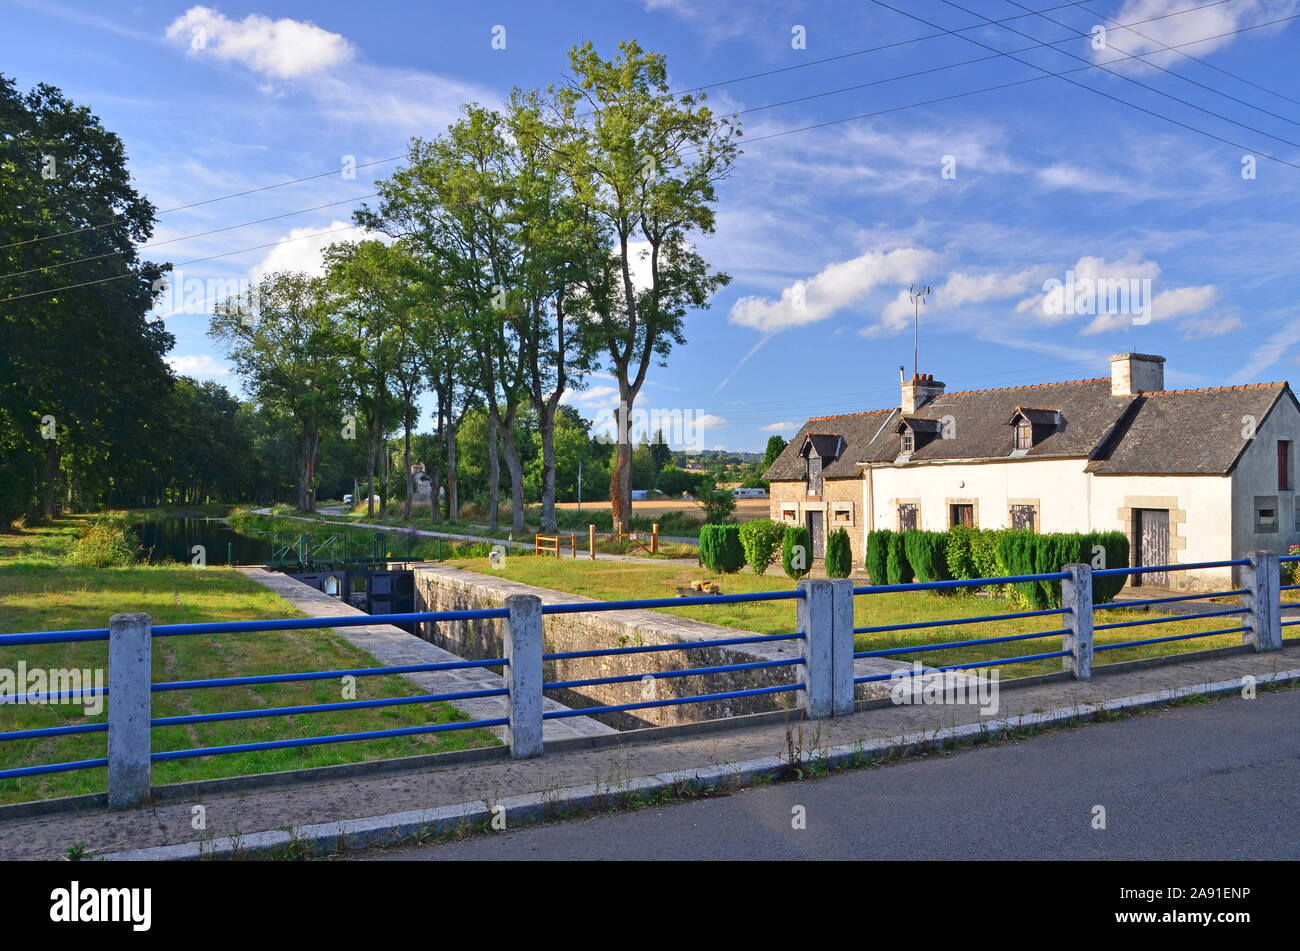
{"x": 919, "y": 390}
{"x": 1133, "y": 373}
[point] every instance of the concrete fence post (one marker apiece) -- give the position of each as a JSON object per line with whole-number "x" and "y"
{"x": 816, "y": 615}
{"x": 841, "y": 647}
{"x": 130, "y": 674}
{"x": 1262, "y": 582}
{"x": 1076, "y": 600}
{"x": 523, "y": 650}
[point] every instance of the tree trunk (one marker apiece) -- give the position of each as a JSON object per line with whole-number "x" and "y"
{"x": 453, "y": 499}
{"x": 410, "y": 480}
{"x": 546, "y": 428}
{"x": 303, "y": 470}
{"x": 372, "y": 425}
{"x": 516, "y": 471}
{"x": 620, "y": 480}
{"x": 494, "y": 471}
{"x": 51, "y": 471}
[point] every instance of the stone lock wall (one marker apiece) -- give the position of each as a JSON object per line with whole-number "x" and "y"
{"x": 442, "y": 588}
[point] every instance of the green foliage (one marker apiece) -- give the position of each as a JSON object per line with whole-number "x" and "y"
{"x": 1115, "y": 549}
{"x": 762, "y": 539}
{"x": 796, "y": 551}
{"x": 673, "y": 481}
{"x": 718, "y": 504}
{"x": 877, "y": 562}
{"x": 720, "y": 548}
{"x": 927, "y": 553}
{"x": 105, "y": 542}
{"x": 839, "y": 554}
{"x": 897, "y": 568}
{"x": 775, "y": 446}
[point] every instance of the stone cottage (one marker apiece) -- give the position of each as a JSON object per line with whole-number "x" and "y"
{"x": 1189, "y": 475}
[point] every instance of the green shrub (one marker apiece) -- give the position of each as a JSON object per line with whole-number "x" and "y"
{"x": 720, "y": 548}
{"x": 761, "y": 539}
{"x": 927, "y": 553}
{"x": 897, "y": 569}
{"x": 796, "y": 552}
{"x": 105, "y": 542}
{"x": 960, "y": 555}
{"x": 839, "y": 554}
{"x": 877, "y": 561}
{"x": 1016, "y": 551}
{"x": 1116, "y": 551}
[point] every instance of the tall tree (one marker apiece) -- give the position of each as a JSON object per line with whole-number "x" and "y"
{"x": 81, "y": 368}
{"x": 286, "y": 346}
{"x": 646, "y": 164}
{"x": 554, "y": 238}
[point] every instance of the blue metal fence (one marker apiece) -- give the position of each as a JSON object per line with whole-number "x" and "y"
{"x": 1074, "y": 628}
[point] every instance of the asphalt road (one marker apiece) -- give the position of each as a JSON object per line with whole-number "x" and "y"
{"x": 1216, "y": 780}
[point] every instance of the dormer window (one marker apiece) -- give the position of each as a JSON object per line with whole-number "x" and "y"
{"x": 1024, "y": 434}
{"x": 819, "y": 450}
{"x": 914, "y": 433}
{"x": 1032, "y": 426}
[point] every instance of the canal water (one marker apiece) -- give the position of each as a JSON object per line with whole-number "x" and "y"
{"x": 173, "y": 539}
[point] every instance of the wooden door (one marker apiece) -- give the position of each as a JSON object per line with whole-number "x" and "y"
{"x": 817, "y": 533}
{"x": 1151, "y": 534}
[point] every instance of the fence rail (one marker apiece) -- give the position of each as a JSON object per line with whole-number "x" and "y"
{"x": 822, "y": 672}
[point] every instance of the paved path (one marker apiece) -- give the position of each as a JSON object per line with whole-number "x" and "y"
{"x": 393, "y": 647}
{"x": 586, "y": 762}
{"x": 1209, "y": 781}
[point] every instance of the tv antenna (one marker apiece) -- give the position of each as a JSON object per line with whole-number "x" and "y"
{"x": 916, "y": 294}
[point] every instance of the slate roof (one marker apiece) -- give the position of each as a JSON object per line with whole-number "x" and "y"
{"x": 1169, "y": 432}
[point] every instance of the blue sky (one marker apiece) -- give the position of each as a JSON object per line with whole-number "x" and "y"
{"x": 989, "y": 197}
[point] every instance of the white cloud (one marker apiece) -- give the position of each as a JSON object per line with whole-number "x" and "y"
{"x": 836, "y": 287}
{"x": 1211, "y": 325}
{"x": 1184, "y": 27}
{"x": 279, "y": 49}
{"x": 200, "y": 365}
{"x": 959, "y": 289}
{"x": 303, "y": 248}
{"x": 709, "y": 421}
{"x": 779, "y": 427}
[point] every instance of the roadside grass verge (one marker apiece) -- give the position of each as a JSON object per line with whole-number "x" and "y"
{"x": 618, "y": 581}
{"x": 39, "y": 590}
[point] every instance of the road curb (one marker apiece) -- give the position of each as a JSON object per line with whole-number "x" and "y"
{"x": 393, "y": 828}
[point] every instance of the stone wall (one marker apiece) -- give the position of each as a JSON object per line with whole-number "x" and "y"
{"x": 841, "y": 501}
{"x": 443, "y": 588}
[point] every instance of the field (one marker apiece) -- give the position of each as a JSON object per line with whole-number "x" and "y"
{"x": 40, "y": 590}
{"x": 746, "y": 509}
{"x": 622, "y": 580}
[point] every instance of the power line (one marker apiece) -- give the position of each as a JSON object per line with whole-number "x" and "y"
{"x": 1102, "y": 67}
{"x": 725, "y": 82}
{"x": 210, "y": 257}
{"x": 187, "y": 237}
{"x": 1049, "y": 74}
{"x": 1197, "y": 59}
{"x": 1143, "y": 56}
{"x": 196, "y": 204}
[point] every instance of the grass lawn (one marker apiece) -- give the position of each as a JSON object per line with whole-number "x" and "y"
{"x": 401, "y": 546}
{"x": 624, "y": 580}
{"x": 40, "y": 590}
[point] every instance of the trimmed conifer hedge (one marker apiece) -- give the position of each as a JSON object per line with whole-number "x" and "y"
{"x": 796, "y": 552}
{"x": 897, "y": 569}
{"x": 839, "y": 554}
{"x": 877, "y": 561}
{"x": 720, "y": 548}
